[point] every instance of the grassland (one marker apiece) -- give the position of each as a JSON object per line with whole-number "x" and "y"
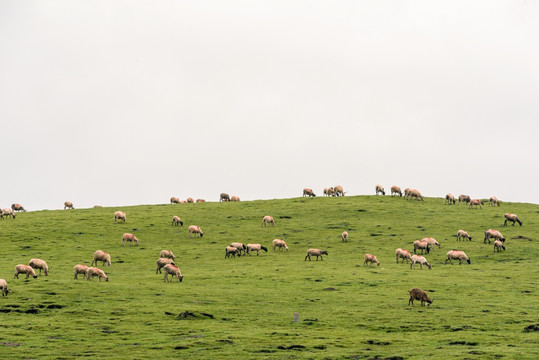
{"x": 347, "y": 310}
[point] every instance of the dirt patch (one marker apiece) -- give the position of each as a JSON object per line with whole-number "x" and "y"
{"x": 10, "y": 344}
{"x": 521, "y": 238}
{"x": 534, "y": 327}
{"x": 469, "y": 343}
{"x": 188, "y": 315}
{"x": 374, "y": 342}
{"x": 285, "y": 217}
{"x": 388, "y": 358}
{"x": 330, "y": 289}
{"x": 181, "y": 347}
{"x": 373, "y": 234}
{"x": 291, "y": 347}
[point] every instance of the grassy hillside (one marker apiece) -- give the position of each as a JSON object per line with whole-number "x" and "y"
{"x": 346, "y": 310}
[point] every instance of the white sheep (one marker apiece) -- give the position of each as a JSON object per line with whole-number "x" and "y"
{"x": 450, "y": 199}
{"x": 498, "y": 245}
{"x": 17, "y": 207}
{"x": 344, "y": 236}
{"x": 419, "y": 294}
{"x": 167, "y": 254}
{"x": 255, "y": 247}
{"x": 317, "y": 253}
{"x": 513, "y": 218}
{"x": 338, "y": 190}
{"x": 119, "y": 215}
{"x": 369, "y": 258}
{"x": 7, "y": 212}
{"x": 280, "y": 244}
{"x": 93, "y": 271}
{"x": 421, "y": 260}
{"x": 190, "y": 200}
{"x": 231, "y": 250}
{"x": 267, "y": 220}
{"x": 234, "y": 198}
{"x": 402, "y": 254}
{"x": 3, "y": 287}
{"x": 476, "y": 203}
{"x": 174, "y": 200}
{"x": 39, "y": 264}
{"x": 24, "y": 269}
{"x": 200, "y": 201}
{"x": 240, "y": 246}
{"x": 177, "y": 221}
{"x": 161, "y": 262}
{"x": 493, "y": 234}
{"x": 432, "y": 242}
{"x": 461, "y": 234}
{"x": 128, "y": 237}
{"x": 100, "y": 255}
{"x": 379, "y": 189}
{"x": 396, "y": 190}
{"x": 194, "y": 229}
{"x": 80, "y": 269}
{"x": 329, "y": 191}
{"x": 422, "y": 245}
{"x": 493, "y": 201}
{"x": 457, "y": 255}
{"x": 308, "y": 192}
{"x": 68, "y": 205}
{"x": 464, "y": 198}
{"x": 173, "y": 270}
{"x": 413, "y": 193}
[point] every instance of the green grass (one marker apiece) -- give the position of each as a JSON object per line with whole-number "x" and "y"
{"x": 347, "y": 310}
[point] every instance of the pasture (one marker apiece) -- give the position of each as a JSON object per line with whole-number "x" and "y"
{"x": 244, "y": 307}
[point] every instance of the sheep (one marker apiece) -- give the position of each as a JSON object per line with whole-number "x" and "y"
{"x": 457, "y": 255}
{"x": 495, "y": 234}
{"x": 174, "y": 200}
{"x": 17, "y": 207}
{"x": 280, "y": 244}
{"x": 128, "y": 237}
{"x": 338, "y": 190}
{"x": 234, "y": 198}
{"x": 161, "y": 262}
{"x": 241, "y": 247}
{"x": 68, "y": 205}
{"x": 317, "y": 253}
{"x": 308, "y": 192}
{"x": 498, "y": 245}
{"x": 380, "y": 189}
{"x": 407, "y": 193}
{"x": 396, "y": 190}
{"x": 513, "y": 218}
{"x": 194, "y": 229}
{"x": 200, "y": 201}
{"x": 419, "y": 294}
{"x": 476, "y": 203}
{"x": 190, "y": 200}
{"x": 344, "y": 236}
{"x": 224, "y": 197}
{"x": 39, "y": 264}
{"x": 493, "y": 201}
{"x": 176, "y": 220}
{"x": 80, "y": 269}
{"x": 93, "y": 271}
{"x": 267, "y": 220}
{"x": 231, "y": 250}
{"x": 173, "y": 270}
{"x": 461, "y": 234}
{"x": 370, "y": 258}
{"x": 167, "y": 254}
{"x": 100, "y": 255}
{"x": 464, "y": 198}
{"x": 7, "y": 212}
{"x": 119, "y": 215}
{"x": 450, "y": 199}
{"x": 329, "y": 191}
{"x": 421, "y": 260}
{"x": 413, "y": 193}
{"x": 98, "y": 206}
{"x": 422, "y": 245}
{"x": 3, "y": 287}
{"x": 402, "y": 254}
{"x": 432, "y": 242}
{"x": 255, "y": 247}
{"x": 24, "y": 269}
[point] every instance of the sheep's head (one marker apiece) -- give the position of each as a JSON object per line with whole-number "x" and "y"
{"x": 469, "y": 261}
{"x": 181, "y": 278}
{"x": 430, "y": 266}
{"x": 429, "y": 301}
{"x": 34, "y": 276}
{"x": 324, "y": 252}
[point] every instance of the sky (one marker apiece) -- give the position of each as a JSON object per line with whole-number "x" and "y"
{"x": 119, "y": 103}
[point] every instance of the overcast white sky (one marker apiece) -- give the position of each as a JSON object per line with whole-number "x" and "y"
{"x": 132, "y": 102}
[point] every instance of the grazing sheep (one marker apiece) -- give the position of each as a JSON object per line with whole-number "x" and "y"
{"x": 461, "y": 234}
{"x": 161, "y": 262}
{"x": 338, "y": 190}
{"x": 369, "y": 258}
{"x": 234, "y": 198}
{"x": 344, "y": 236}
{"x": 7, "y": 212}
{"x": 167, "y": 254}
{"x": 421, "y": 260}
{"x": 240, "y": 246}
{"x": 402, "y": 254}
{"x": 174, "y": 200}
{"x": 498, "y": 245}
{"x": 329, "y": 191}
{"x": 396, "y": 190}
{"x": 119, "y": 215}
{"x": 190, "y": 200}
{"x": 450, "y": 199}
{"x": 494, "y": 234}
{"x": 231, "y": 250}
{"x": 280, "y": 244}
{"x": 68, "y": 205}
{"x": 17, "y": 207}
{"x": 493, "y": 201}
{"x": 255, "y": 247}
{"x": 432, "y": 242}
{"x": 476, "y": 203}
{"x": 317, "y": 253}
{"x": 464, "y": 199}
{"x": 413, "y": 193}
{"x": 128, "y": 237}
{"x": 380, "y": 189}
{"x": 422, "y": 245}
{"x": 173, "y": 270}
{"x": 224, "y": 197}
{"x": 24, "y": 269}
{"x": 97, "y": 206}
{"x": 419, "y": 294}
{"x": 80, "y": 269}
{"x": 176, "y": 220}
{"x": 457, "y": 255}
{"x": 39, "y": 264}
{"x": 200, "y": 201}
{"x": 93, "y": 271}
{"x": 407, "y": 193}
{"x": 100, "y": 255}
{"x": 3, "y": 287}
{"x": 513, "y": 218}
{"x": 194, "y": 229}
{"x": 267, "y": 220}
{"x": 308, "y": 192}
